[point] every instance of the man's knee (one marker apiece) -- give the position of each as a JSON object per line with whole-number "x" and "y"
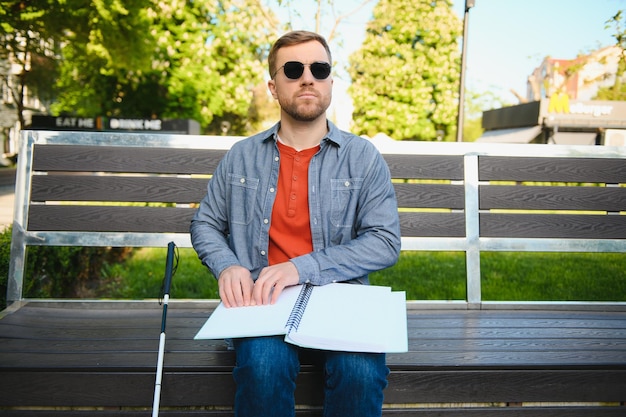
{"x": 265, "y": 361}
{"x": 365, "y": 369}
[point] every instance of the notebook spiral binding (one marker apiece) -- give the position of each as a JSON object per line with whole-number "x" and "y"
{"x": 298, "y": 309}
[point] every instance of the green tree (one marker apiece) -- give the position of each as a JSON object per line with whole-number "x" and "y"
{"x": 405, "y": 77}
{"x": 42, "y": 38}
{"x": 30, "y": 32}
{"x": 104, "y": 46}
{"x": 618, "y": 90}
{"x": 475, "y": 104}
{"x": 205, "y": 59}
{"x": 220, "y": 64}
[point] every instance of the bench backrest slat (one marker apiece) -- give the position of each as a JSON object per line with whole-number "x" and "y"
{"x": 552, "y": 198}
{"x": 499, "y": 168}
{"x": 59, "y": 218}
{"x": 113, "y": 158}
{"x": 90, "y": 187}
{"x": 448, "y": 167}
{"x": 557, "y": 226}
{"x": 430, "y": 196}
{"x": 440, "y": 225}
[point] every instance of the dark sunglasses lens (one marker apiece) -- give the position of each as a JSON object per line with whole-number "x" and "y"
{"x": 320, "y": 70}
{"x": 293, "y": 70}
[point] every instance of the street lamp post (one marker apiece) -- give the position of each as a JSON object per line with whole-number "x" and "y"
{"x": 459, "y": 129}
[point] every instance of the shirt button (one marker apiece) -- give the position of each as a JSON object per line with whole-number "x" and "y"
{"x": 272, "y": 190}
{"x": 263, "y": 252}
{"x": 242, "y": 180}
{"x": 276, "y": 158}
{"x": 266, "y": 221}
{"x": 347, "y": 183}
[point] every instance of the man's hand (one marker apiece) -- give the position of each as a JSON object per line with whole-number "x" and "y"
{"x": 235, "y": 284}
{"x": 271, "y": 282}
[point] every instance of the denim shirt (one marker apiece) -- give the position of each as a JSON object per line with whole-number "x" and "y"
{"x": 352, "y": 207}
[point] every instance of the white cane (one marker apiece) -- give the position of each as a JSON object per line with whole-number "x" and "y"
{"x": 169, "y": 272}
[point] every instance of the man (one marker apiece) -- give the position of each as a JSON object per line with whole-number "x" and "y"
{"x": 300, "y": 203}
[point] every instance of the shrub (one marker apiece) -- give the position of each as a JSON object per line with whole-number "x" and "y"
{"x": 68, "y": 271}
{"x": 5, "y": 257}
{"x": 60, "y": 272}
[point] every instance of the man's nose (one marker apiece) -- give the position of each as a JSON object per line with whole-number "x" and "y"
{"x": 307, "y": 76}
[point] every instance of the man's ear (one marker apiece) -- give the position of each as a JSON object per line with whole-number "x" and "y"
{"x": 271, "y": 85}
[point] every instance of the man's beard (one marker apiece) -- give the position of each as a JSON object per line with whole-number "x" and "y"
{"x": 304, "y": 112}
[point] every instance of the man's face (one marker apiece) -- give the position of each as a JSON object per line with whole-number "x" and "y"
{"x": 305, "y": 98}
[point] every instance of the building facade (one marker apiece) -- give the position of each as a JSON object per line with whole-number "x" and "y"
{"x": 559, "y": 121}
{"x": 579, "y": 78}
{"x": 560, "y": 109}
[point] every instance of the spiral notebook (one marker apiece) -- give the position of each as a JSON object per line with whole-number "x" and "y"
{"x": 342, "y": 317}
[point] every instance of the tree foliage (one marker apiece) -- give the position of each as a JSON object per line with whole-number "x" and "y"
{"x": 405, "y": 77}
{"x": 618, "y": 90}
{"x": 199, "y": 60}
{"x": 103, "y": 47}
{"x": 29, "y": 34}
{"x": 205, "y": 60}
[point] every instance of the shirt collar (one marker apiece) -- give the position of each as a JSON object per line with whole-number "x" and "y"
{"x": 333, "y": 136}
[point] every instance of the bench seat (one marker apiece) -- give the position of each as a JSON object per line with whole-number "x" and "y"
{"x": 100, "y": 359}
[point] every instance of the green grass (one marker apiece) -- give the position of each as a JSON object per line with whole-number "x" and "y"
{"x": 141, "y": 276}
{"x": 426, "y": 275}
{"x": 554, "y": 276}
{"x": 423, "y": 275}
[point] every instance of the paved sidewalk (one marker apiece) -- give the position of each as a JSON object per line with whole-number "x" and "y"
{"x": 7, "y": 197}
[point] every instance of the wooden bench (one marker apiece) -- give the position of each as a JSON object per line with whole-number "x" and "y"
{"x": 466, "y": 357}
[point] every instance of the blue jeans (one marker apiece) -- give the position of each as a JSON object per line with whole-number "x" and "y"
{"x": 266, "y": 371}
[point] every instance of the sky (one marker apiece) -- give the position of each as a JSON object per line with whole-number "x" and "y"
{"x": 507, "y": 39}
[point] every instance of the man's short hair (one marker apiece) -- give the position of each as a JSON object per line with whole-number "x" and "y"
{"x": 295, "y": 38}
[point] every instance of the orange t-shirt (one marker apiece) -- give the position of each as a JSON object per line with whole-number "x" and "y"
{"x": 290, "y": 230}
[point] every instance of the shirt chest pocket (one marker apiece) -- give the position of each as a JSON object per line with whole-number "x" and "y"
{"x": 243, "y": 192}
{"x": 344, "y": 200}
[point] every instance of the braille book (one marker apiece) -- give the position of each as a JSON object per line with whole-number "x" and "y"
{"x": 341, "y": 317}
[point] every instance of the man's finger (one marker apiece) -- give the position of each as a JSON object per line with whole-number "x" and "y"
{"x": 278, "y": 288}
{"x": 225, "y": 294}
{"x": 246, "y": 289}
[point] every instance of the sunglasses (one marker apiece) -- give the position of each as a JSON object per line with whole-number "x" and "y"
{"x": 294, "y": 70}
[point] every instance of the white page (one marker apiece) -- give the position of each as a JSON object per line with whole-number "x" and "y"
{"x": 265, "y": 320}
{"x": 349, "y": 317}
{"x": 397, "y": 336}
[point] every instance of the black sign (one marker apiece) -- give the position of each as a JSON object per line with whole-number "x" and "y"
{"x": 114, "y": 124}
